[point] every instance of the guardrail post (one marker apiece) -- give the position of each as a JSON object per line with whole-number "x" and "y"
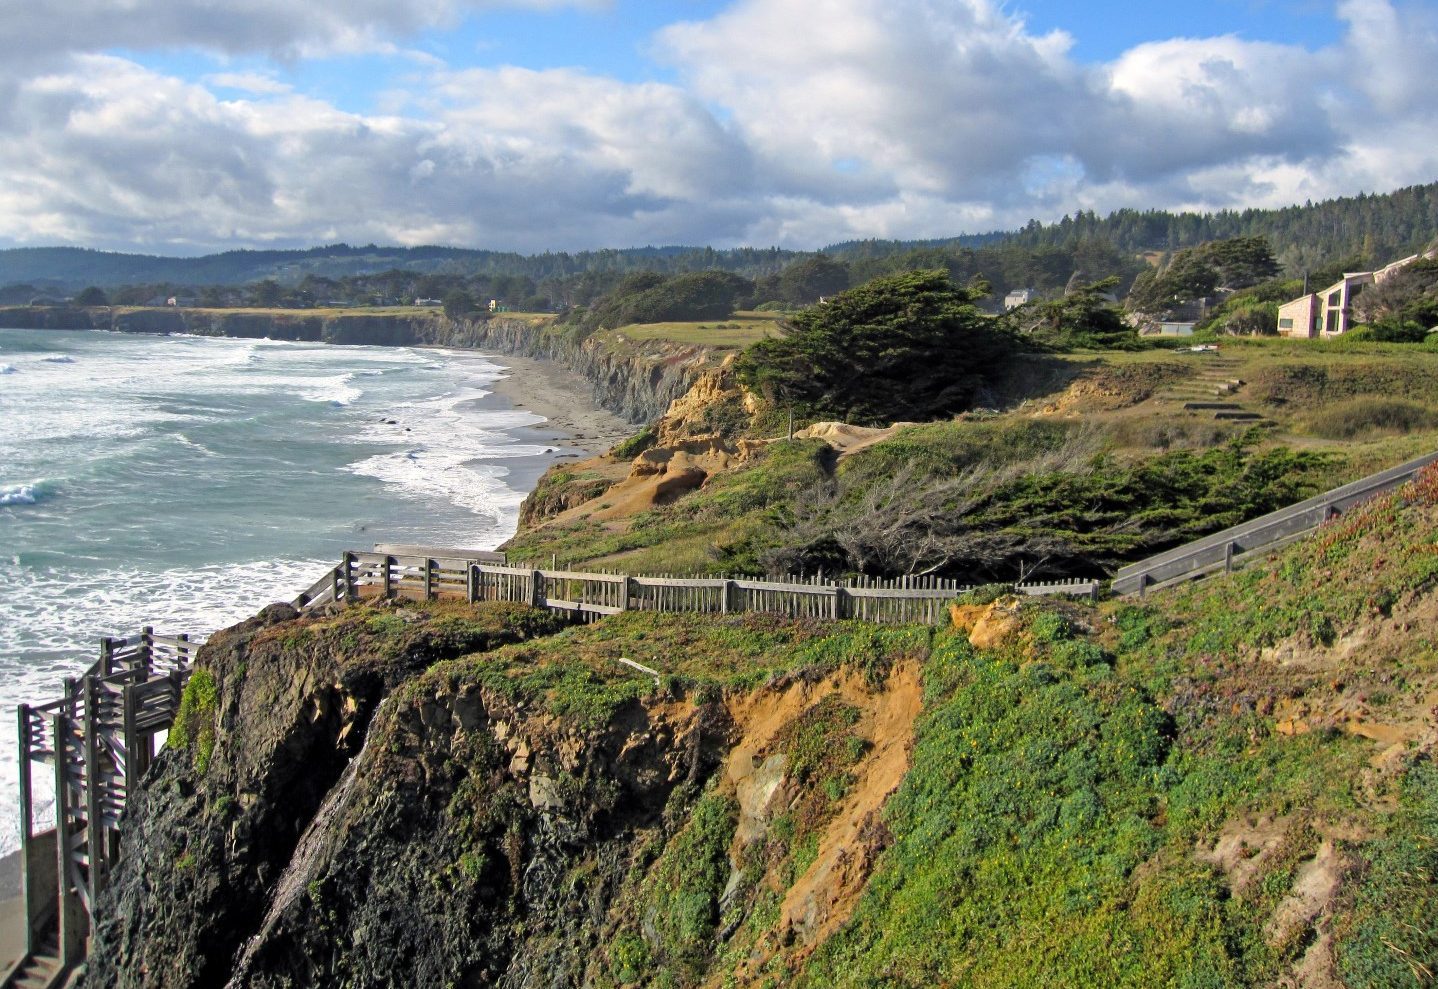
{"x": 1143, "y": 586}
{"x": 1228, "y": 557}
{"x": 428, "y": 579}
{"x": 386, "y": 580}
{"x": 348, "y": 563}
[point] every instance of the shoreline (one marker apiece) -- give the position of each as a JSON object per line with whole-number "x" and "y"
{"x": 573, "y": 417}
{"x": 575, "y": 426}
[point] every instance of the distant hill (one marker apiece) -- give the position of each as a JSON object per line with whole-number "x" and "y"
{"x": 1371, "y": 227}
{"x": 1375, "y": 227}
{"x": 70, "y": 268}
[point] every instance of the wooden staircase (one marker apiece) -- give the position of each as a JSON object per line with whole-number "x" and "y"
{"x": 97, "y": 740}
{"x": 1210, "y": 393}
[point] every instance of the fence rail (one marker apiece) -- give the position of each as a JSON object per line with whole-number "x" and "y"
{"x": 595, "y": 594}
{"x": 1220, "y": 550}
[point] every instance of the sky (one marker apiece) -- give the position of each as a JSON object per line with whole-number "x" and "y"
{"x": 188, "y": 126}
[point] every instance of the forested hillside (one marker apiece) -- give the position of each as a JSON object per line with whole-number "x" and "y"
{"x": 1361, "y": 229}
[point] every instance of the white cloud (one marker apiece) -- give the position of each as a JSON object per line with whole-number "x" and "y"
{"x": 282, "y": 28}
{"x": 254, "y": 83}
{"x": 796, "y": 122}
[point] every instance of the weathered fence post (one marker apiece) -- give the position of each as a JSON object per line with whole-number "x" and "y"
{"x": 536, "y": 588}
{"x": 72, "y": 918}
{"x": 471, "y": 583}
{"x": 1228, "y": 557}
{"x": 429, "y": 567}
{"x": 626, "y": 590}
{"x": 386, "y": 583}
{"x": 349, "y": 575}
{"x": 94, "y": 826}
{"x": 28, "y": 894}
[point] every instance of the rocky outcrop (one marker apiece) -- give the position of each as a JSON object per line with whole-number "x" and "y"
{"x": 537, "y": 815}
{"x": 214, "y": 828}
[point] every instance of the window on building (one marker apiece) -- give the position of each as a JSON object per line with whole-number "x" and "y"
{"x": 1285, "y": 324}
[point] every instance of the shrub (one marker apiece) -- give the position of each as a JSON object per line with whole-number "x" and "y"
{"x": 194, "y": 726}
{"x": 1367, "y": 416}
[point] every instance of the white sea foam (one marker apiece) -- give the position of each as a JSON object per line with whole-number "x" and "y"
{"x": 62, "y": 616}
{"x": 29, "y": 493}
{"x": 448, "y": 451}
{"x": 335, "y": 390}
{"x": 8, "y": 369}
{"x": 59, "y": 359}
{"x": 185, "y": 441}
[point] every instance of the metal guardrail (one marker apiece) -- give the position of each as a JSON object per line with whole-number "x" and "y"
{"x": 1218, "y": 551}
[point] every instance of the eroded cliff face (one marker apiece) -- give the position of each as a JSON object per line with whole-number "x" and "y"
{"x": 371, "y": 813}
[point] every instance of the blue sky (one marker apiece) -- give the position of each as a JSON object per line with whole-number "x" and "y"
{"x": 183, "y": 126}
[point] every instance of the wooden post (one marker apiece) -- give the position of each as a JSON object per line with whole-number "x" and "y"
{"x": 29, "y": 895}
{"x": 626, "y": 590}
{"x": 471, "y": 583}
{"x": 147, "y": 650}
{"x": 728, "y": 594}
{"x": 836, "y": 604}
{"x": 536, "y": 588}
{"x": 1228, "y": 557}
{"x": 385, "y": 580}
{"x": 135, "y": 763}
{"x": 94, "y": 827}
{"x": 429, "y": 580}
{"x": 72, "y": 916}
{"x": 349, "y": 575}
{"x": 107, "y": 655}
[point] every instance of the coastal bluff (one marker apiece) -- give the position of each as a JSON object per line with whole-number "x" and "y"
{"x": 634, "y": 379}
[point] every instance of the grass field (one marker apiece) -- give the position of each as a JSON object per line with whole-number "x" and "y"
{"x": 737, "y": 331}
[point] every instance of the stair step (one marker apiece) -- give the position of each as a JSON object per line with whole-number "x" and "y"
{"x": 1238, "y": 416}
{"x": 1213, "y": 407}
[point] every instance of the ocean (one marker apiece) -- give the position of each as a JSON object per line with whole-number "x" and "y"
{"x": 186, "y": 482}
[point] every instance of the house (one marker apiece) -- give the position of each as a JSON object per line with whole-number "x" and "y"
{"x": 1019, "y": 297}
{"x": 1329, "y": 313}
{"x": 429, "y": 302}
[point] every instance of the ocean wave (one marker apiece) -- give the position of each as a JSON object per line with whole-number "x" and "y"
{"x": 335, "y": 391}
{"x": 184, "y": 440}
{"x": 59, "y": 359}
{"x": 50, "y": 629}
{"x": 29, "y": 493}
{"x": 8, "y": 369}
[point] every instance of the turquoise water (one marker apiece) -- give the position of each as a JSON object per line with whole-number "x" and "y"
{"x": 186, "y": 482}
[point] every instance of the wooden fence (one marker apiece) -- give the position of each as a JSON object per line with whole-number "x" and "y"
{"x": 589, "y": 595}
{"x": 1222, "y": 550}
{"x": 97, "y": 740}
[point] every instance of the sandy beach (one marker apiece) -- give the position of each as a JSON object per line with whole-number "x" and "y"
{"x": 566, "y": 400}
